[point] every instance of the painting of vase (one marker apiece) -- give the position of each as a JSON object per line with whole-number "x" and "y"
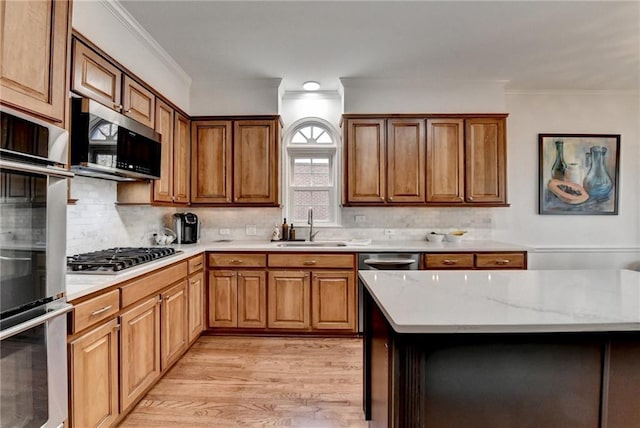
{"x": 578, "y": 173}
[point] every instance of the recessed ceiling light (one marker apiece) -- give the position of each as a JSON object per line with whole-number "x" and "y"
{"x": 311, "y": 86}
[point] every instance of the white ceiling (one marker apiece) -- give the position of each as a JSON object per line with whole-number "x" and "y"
{"x": 531, "y": 45}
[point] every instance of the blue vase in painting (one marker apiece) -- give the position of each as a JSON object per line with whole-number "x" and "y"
{"x": 597, "y": 182}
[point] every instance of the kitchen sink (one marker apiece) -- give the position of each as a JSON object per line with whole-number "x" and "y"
{"x": 313, "y": 244}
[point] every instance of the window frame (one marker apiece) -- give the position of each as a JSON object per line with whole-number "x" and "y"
{"x": 297, "y": 150}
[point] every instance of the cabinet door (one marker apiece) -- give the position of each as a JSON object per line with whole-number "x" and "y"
{"x": 252, "y": 299}
{"x": 445, "y": 160}
{"x": 163, "y": 188}
{"x": 333, "y": 297}
{"x": 366, "y": 162}
{"x": 406, "y": 148}
{"x": 33, "y": 54}
{"x": 485, "y": 161}
{"x": 95, "y": 77}
{"x": 94, "y": 377}
{"x": 211, "y": 170}
{"x": 196, "y": 305}
{"x": 138, "y": 102}
{"x": 289, "y": 298}
{"x": 255, "y": 157}
{"x": 174, "y": 324}
{"x": 223, "y": 298}
{"x": 139, "y": 350}
{"x": 181, "y": 153}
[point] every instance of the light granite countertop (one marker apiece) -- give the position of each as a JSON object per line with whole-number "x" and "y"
{"x": 522, "y": 301}
{"x": 79, "y": 285}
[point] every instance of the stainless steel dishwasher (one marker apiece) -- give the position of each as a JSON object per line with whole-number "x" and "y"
{"x": 382, "y": 261}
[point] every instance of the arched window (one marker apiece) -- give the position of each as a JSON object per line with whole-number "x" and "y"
{"x": 311, "y": 173}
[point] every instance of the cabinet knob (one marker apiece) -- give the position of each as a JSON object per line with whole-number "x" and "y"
{"x": 128, "y": 111}
{"x": 470, "y": 198}
{"x": 391, "y": 198}
{"x": 117, "y": 107}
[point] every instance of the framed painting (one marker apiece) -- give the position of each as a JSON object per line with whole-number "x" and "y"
{"x": 579, "y": 173}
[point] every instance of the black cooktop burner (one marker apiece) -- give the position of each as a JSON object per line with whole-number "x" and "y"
{"x": 114, "y": 260}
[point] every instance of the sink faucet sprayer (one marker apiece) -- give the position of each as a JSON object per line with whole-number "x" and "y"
{"x": 312, "y": 235}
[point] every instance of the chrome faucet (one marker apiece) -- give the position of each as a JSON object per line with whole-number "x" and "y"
{"x": 312, "y": 235}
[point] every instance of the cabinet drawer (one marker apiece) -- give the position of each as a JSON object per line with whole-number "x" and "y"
{"x": 94, "y": 310}
{"x": 500, "y": 261}
{"x": 307, "y": 261}
{"x": 152, "y": 283}
{"x": 236, "y": 260}
{"x": 449, "y": 261}
{"x": 195, "y": 264}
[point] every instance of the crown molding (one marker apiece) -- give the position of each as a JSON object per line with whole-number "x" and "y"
{"x": 133, "y": 26}
{"x": 572, "y": 92}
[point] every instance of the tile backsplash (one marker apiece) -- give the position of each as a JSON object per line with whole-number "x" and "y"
{"x": 96, "y": 222}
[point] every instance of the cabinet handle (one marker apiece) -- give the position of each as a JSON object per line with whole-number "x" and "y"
{"x": 194, "y": 281}
{"x": 198, "y": 266}
{"x": 236, "y": 261}
{"x": 117, "y": 107}
{"x": 159, "y": 299}
{"x": 449, "y": 262}
{"x": 503, "y": 262}
{"x": 309, "y": 262}
{"x": 116, "y": 327}
{"x": 391, "y": 198}
{"x": 306, "y": 275}
{"x": 470, "y": 198}
{"x": 239, "y": 274}
{"x": 128, "y": 111}
{"x": 101, "y": 310}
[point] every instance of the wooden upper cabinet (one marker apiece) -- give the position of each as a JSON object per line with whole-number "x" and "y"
{"x": 163, "y": 188}
{"x": 138, "y": 102}
{"x": 95, "y": 77}
{"x": 255, "y": 176}
{"x": 366, "y": 161}
{"x": 33, "y": 54}
{"x": 181, "y": 159}
{"x": 485, "y": 160}
{"x": 405, "y": 160}
{"x": 445, "y": 160}
{"x": 211, "y": 162}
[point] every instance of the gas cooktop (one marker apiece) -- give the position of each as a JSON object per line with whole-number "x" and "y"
{"x": 114, "y": 260}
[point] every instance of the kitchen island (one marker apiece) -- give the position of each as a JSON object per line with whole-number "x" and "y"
{"x": 502, "y": 349}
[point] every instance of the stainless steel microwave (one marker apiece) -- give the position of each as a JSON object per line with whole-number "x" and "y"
{"x": 106, "y": 144}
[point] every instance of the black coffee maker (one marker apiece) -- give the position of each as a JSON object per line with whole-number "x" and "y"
{"x": 187, "y": 228}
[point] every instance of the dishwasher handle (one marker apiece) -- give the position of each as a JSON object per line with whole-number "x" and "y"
{"x": 389, "y": 262}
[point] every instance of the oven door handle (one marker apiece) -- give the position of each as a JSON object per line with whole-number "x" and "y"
{"x": 63, "y": 309}
{"x": 36, "y": 169}
{"x": 389, "y": 262}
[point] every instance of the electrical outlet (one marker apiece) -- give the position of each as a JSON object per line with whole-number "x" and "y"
{"x": 389, "y": 232}
{"x": 224, "y": 231}
{"x": 360, "y": 218}
{"x": 251, "y": 229}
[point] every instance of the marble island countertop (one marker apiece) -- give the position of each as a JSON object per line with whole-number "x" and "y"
{"x": 529, "y": 301}
{"x": 79, "y": 285}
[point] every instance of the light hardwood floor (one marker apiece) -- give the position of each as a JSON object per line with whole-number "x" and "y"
{"x": 259, "y": 381}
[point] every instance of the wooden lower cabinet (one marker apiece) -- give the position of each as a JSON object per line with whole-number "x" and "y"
{"x": 481, "y": 260}
{"x": 139, "y": 350}
{"x": 174, "y": 324}
{"x": 333, "y": 300}
{"x": 195, "y": 306}
{"x": 237, "y": 299}
{"x": 94, "y": 377}
{"x": 289, "y": 298}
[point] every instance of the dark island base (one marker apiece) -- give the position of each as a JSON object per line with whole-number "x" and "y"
{"x": 499, "y": 380}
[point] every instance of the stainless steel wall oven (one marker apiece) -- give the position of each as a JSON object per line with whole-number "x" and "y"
{"x": 33, "y": 204}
